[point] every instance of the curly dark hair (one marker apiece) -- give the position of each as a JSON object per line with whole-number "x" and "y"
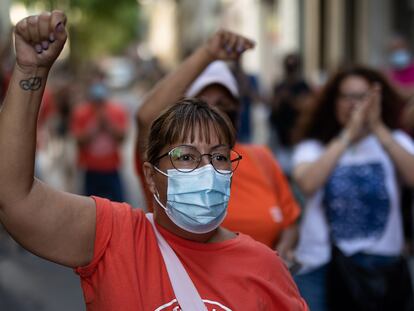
{"x": 324, "y": 125}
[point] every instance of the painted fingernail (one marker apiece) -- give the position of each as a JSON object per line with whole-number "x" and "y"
{"x": 60, "y": 27}
{"x": 45, "y": 45}
{"x": 52, "y": 37}
{"x": 38, "y": 48}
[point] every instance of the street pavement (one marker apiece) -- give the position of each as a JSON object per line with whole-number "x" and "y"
{"x": 29, "y": 283}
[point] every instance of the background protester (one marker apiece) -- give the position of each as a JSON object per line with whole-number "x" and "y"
{"x": 99, "y": 127}
{"x": 350, "y": 166}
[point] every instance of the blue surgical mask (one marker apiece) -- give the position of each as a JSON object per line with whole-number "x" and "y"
{"x": 400, "y": 59}
{"x": 98, "y": 92}
{"x": 197, "y": 200}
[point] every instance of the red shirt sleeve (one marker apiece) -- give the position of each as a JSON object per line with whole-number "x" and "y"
{"x": 102, "y": 235}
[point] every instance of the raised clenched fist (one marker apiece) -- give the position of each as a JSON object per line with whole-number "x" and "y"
{"x": 39, "y": 39}
{"x": 227, "y": 45}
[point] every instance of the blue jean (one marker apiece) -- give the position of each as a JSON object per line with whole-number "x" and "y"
{"x": 313, "y": 285}
{"x": 104, "y": 184}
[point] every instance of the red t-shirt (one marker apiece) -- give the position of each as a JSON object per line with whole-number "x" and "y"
{"x": 102, "y": 153}
{"x": 261, "y": 202}
{"x": 128, "y": 271}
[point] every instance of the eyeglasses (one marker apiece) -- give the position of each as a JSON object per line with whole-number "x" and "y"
{"x": 185, "y": 158}
{"x": 355, "y": 96}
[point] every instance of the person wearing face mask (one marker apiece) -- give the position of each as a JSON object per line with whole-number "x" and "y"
{"x": 99, "y": 127}
{"x": 402, "y": 74}
{"x": 349, "y": 166}
{"x": 401, "y": 64}
{"x": 261, "y": 203}
{"x": 179, "y": 257}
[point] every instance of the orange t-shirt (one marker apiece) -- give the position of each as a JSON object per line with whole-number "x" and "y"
{"x": 101, "y": 154}
{"x": 260, "y": 205}
{"x": 128, "y": 273}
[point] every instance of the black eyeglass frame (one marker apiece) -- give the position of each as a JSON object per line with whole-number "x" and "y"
{"x": 239, "y": 157}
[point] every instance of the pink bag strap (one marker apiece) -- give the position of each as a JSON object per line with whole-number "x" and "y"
{"x": 184, "y": 289}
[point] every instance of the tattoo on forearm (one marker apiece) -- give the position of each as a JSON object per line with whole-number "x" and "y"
{"x": 31, "y": 84}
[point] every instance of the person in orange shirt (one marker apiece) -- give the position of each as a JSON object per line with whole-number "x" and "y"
{"x": 99, "y": 127}
{"x": 261, "y": 204}
{"x": 119, "y": 252}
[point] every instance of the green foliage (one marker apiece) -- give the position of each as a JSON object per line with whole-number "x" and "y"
{"x": 96, "y": 27}
{"x": 103, "y": 30}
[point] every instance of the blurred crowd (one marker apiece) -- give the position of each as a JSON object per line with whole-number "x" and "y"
{"x": 86, "y": 143}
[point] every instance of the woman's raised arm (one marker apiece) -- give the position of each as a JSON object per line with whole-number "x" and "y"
{"x": 54, "y": 225}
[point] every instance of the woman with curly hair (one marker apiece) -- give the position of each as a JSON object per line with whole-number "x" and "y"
{"x": 349, "y": 167}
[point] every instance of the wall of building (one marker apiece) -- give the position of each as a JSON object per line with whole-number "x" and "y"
{"x": 338, "y": 32}
{"x": 327, "y": 33}
{"x": 272, "y": 24}
{"x": 5, "y": 24}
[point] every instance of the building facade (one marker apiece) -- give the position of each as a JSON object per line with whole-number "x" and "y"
{"x": 327, "y": 33}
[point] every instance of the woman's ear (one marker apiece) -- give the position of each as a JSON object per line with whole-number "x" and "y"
{"x": 149, "y": 173}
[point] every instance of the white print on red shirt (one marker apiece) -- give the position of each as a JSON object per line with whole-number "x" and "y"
{"x": 276, "y": 213}
{"x": 210, "y": 305}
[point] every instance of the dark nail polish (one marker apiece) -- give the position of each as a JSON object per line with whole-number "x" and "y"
{"x": 45, "y": 45}
{"x": 60, "y": 27}
{"x": 38, "y": 48}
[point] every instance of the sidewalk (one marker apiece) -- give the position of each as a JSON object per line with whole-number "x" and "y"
{"x": 28, "y": 283}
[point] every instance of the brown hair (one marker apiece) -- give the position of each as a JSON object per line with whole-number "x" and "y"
{"x": 324, "y": 126}
{"x": 179, "y": 122}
